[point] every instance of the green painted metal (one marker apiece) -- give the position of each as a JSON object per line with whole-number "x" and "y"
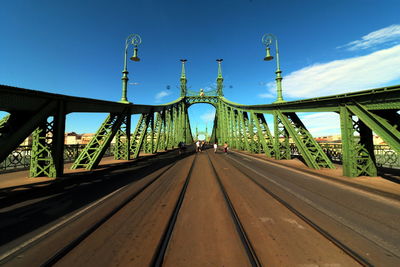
{"x": 140, "y": 134}
{"x": 135, "y": 40}
{"x": 243, "y": 131}
{"x": 357, "y": 159}
{"x": 309, "y": 149}
{"x": 388, "y": 132}
{"x": 122, "y": 139}
{"x": 3, "y": 122}
{"x": 170, "y": 129}
{"x": 220, "y": 79}
{"x": 93, "y": 152}
{"x": 281, "y": 136}
{"x": 267, "y": 40}
{"x": 264, "y": 134}
{"x": 21, "y": 124}
{"x": 242, "y": 126}
{"x": 183, "y": 79}
{"x": 233, "y": 128}
{"x": 157, "y": 132}
{"x": 47, "y": 155}
{"x": 42, "y": 161}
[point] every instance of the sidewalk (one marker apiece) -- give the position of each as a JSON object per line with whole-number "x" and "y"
{"x": 378, "y": 184}
{"x": 20, "y": 179}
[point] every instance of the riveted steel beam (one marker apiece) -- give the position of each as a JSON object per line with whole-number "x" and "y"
{"x": 309, "y": 149}
{"x": 91, "y": 155}
{"x": 138, "y": 137}
{"x": 388, "y": 130}
{"x": 264, "y": 134}
{"x": 357, "y": 156}
{"x": 21, "y": 124}
{"x": 281, "y": 137}
{"x": 122, "y": 139}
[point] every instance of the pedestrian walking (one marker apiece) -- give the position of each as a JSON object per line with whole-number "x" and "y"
{"x": 226, "y": 147}
{"x": 198, "y": 146}
{"x": 182, "y": 147}
{"x": 215, "y": 147}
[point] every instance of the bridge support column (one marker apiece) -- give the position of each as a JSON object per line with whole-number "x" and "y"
{"x": 122, "y": 139}
{"x": 244, "y": 142}
{"x": 139, "y": 135}
{"x": 93, "y": 152}
{"x": 264, "y": 135}
{"x": 47, "y": 156}
{"x": 282, "y": 146}
{"x": 357, "y": 152}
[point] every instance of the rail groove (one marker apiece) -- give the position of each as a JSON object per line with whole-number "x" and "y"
{"x": 251, "y": 254}
{"x": 357, "y": 257}
{"x": 74, "y": 243}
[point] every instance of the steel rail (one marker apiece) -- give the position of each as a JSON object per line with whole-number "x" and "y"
{"x": 74, "y": 243}
{"x": 158, "y": 256}
{"x": 354, "y": 255}
{"x": 251, "y": 254}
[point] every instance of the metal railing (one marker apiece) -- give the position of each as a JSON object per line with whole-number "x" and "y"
{"x": 20, "y": 158}
{"x": 385, "y": 157}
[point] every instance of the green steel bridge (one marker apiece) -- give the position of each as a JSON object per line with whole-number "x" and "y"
{"x": 162, "y": 127}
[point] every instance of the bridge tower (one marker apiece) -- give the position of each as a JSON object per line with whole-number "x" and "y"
{"x": 220, "y": 79}
{"x": 183, "y": 79}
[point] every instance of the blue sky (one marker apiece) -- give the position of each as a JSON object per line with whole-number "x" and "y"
{"x": 76, "y": 48}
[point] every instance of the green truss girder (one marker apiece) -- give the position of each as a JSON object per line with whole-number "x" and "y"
{"x": 20, "y": 124}
{"x": 382, "y": 127}
{"x": 309, "y": 149}
{"x": 230, "y": 126}
{"x": 3, "y": 122}
{"x": 249, "y": 133}
{"x": 241, "y": 126}
{"x": 264, "y": 134}
{"x": 170, "y": 129}
{"x": 140, "y": 133}
{"x": 122, "y": 139}
{"x": 148, "y": 141}
{"x": 234, "y": 132}
{"x": 281, "y": 137}
{"x": 358, "y": 159}
{"x": 162, "y": 140}
{"x": 42, "y": 161}
{"x": 158, "y": 126}
{"x": 243, "y": 131}
{"x": 91, "y": 155}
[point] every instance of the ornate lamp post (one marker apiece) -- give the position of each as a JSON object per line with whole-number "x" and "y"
{"x": 267, "y": 41}
{"x": 135, "y": 40}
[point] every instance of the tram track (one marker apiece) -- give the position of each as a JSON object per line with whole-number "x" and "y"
{"x": 162, "y": 248}
{"x": 64, "y": 250}
{"x": 193, "y": 211}
{"x": 158, "y": 257}
{"x": 347, "y": 250}
{"x": 251, "y": 254}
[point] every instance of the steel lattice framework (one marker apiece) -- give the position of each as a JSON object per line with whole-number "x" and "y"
{"x": 162, "y": 127}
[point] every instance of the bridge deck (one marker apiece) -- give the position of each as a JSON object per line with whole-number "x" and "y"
{"x": 205, "y": 209}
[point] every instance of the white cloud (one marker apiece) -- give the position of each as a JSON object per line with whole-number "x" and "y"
{"x": 160, "y": 95}
{"x": 208, "y": 117}
{"x": 341, "y": 76}
{"x": 321, "y": 124}
{"x": 388, "y": 34}
{"x": 267, "y": 95}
